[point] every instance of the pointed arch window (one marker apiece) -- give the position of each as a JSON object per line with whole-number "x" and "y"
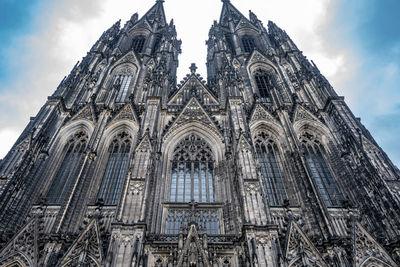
{"x": 138, "y": 44}
{"x": 74, "y": 153}
{"x": 264, "y": 84}
{"x": 248, "y": 44}
{"x": 321, "y": 173}
{"x": 268, "y": 158}
{"x": 124, "y": 82}
{"x": 192, "y": 176}
{"x": 116, "y": 168}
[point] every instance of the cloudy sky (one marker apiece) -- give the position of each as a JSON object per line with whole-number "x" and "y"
{"x": 356, "y": 44}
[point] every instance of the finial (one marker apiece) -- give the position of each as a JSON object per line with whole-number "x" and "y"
{"x": 160, "y": 1}
{"x": 226, "y": 1}
{"x": 193, "y": 68}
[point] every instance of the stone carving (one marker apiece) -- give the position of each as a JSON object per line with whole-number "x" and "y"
{"x": 299, "y": 249}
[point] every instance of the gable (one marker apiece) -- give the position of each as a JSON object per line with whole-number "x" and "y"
{"x": 193, "y": 87}
{"x": 303, "y": 114}
{"x": 126, "y": 113}
{"x": 261, "y": 114}
{"x": 23, "y": 246}
{"x": 193, "y": 250}
{"x": 367, "y": 250}
{"x": 194, "y": 112}
{"x": 299, "y": 249}
{"x": 84, "y": 114}
{"x": 86, "y": 248}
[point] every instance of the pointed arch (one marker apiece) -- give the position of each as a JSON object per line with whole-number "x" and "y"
{"x": 316, "y": 161}
{"x": 114, "y": 160}
{"x": 72, "y": 160}
{"x": 192, "y": 171}
{"x": 269, "y": 159}
{"x": 215, "y": 141}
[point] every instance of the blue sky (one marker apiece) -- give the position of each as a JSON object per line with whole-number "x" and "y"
{"x": 356, "y": 44}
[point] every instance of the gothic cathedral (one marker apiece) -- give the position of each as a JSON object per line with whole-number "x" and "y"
{"x": 260, "y": 164}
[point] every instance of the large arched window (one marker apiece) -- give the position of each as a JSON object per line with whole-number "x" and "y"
{"x": 248, "y": 44}
{"x": 123, "y": 81}
{"x": 192, "y": 171}
{"x": 268, "y": 158}
{"x": 115, "y": 172}
{"x": 138, "y": 44}
{"x": 68, "y": 171}
{"x": 264, "y": 84}
{"x": 322, "y": 175}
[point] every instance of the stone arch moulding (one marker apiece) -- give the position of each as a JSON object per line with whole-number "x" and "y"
{"x": 215, "y": 141}
{"x": 259, "y": 61}
{"x": 322, "y": 133}
{"x": 275, "y": 131}
{"x": 108, "y": 136}
{"x": 18, "y": 260}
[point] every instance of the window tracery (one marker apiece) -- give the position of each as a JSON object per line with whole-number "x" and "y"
{"x": 123, "y": 81}
{"x": 248, "y": 44}
{"x": 116, "y": 168}
{"x": 314, "y": 155}
{"x": 269, "y": 161}
{"x": 74, "y": 152}
{"x": 264, "y": 84}
{"x": 192, "y": 171}
{"x": 138, "y": 44}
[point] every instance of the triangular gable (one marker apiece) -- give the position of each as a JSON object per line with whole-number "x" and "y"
{"x": 126, "y": 113}
{"x": 23, "y": 246}
{"x": 156, "y": 14}
{"x": 199, "y": 84}
{"x": 193, "y": 245}
{"x": 88, "y": 245}
{"x": 261, "y": 114}
{"x": 129, "y": 57}
{"x": 245, "y": 23}
{"x": 303, "y": 114}
{"x": 84, "y": 114}
{"x": 300, "y": 249}
{"x": 229, "y": 11}
{"x": 144, "y": 144}
{"x": 194, "y": 112}
{"x": 258, "y": 57}
{"x": 368, "y": 250}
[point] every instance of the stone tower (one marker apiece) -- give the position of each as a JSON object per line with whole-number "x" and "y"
{"x": 261, "y": 164}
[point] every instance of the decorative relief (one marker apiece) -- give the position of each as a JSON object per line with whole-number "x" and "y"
{"x": 193, "y": 112}
{"x": 300, "y": 251}
{"x": 136, "y": 187}
{"x": 367, "y": 249}
{"x": 252, "y": 188}
{"x": 261, "y": 114}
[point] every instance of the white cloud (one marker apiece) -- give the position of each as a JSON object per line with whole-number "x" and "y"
{"x": 68, "y": 28}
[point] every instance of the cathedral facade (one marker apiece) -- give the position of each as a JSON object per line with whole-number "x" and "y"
{"x": 259, "y": 164}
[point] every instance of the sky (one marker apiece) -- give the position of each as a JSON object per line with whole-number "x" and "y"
{"x": 355, "y": 44}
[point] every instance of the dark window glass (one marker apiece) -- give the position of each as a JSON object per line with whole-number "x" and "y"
{"x": 115, "y": 172}
{"x": 248, "y": 44}
{"x": 138, "y": 44}
{"x": 322, "y": 176}
{"x": 269, "y": 163}
{"x": 264, "y": 85}
{"x": 67, "y": 173}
